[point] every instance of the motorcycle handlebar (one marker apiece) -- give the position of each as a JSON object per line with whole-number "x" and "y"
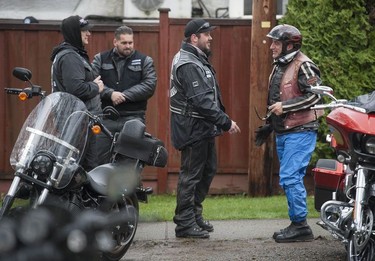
{"x": 337, "y": 105}
{"x": 15, "y": 91}
{"x": 33, "y": 91}
{"x": 96, "y": 120}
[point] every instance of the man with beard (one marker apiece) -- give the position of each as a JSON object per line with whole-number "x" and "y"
{"x": 197, "y": 117}
{"x": 71, "y": 72}
{"x": 130, "y": 80}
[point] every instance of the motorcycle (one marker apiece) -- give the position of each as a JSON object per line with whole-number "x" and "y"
{"x": 47, "y": 160}
{"x": 52, "y": 233}
{"x": 345, "y": 186}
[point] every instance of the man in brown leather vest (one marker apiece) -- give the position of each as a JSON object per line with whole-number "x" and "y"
{"x": 294, "y": 123}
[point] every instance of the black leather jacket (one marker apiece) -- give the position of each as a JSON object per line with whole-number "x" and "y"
{"x": 195, "y": 99}
{"x": 134, "y": 76}
{"x": 71, "y": 73}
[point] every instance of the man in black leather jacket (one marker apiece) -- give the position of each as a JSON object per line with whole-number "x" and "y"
{"x": 71, "y": 72}
{"x": 197, "y": 117}
{"x": 130, "y": 80}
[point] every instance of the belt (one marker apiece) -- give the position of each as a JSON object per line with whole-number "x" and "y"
{"x": 184, "y": 112}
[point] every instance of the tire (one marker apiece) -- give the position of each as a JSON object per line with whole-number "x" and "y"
{"x": 366, "y": 251}
{"x": 124, "y": 235}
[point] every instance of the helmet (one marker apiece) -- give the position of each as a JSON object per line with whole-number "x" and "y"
{"x": 287, "y": 34}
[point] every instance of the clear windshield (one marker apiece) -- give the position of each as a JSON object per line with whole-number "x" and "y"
{"x": 58, "y": 124}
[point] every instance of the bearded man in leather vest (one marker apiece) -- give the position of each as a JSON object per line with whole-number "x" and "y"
{"x": 294, "y": 123}
{"x": 197, "y": 117}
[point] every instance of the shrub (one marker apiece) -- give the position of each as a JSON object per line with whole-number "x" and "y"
{"x": 339, "y": 37}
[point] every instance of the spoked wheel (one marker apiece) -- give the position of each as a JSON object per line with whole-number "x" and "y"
{"x": 123, "y": 235}
{"x": 361, "y": 246}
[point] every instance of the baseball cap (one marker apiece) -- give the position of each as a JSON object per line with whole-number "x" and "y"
{"x": 84, "y": 25}
{"x": 197, "y": 26}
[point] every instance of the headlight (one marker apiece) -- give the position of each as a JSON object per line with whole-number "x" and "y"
{"x": 42, "y": 163}
{"x": 370, "y": 144}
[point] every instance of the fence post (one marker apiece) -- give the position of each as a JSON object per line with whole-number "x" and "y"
{"x": 163, "y": 89}
{"x": 260, "y": 158}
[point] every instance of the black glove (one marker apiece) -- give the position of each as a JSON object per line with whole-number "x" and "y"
{"x": 262, "y": 134}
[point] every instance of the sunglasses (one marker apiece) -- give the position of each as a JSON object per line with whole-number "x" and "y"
{"x": 206, "y": 25}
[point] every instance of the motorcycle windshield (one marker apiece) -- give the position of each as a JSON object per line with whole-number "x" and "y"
{"x": 59, "y": 125}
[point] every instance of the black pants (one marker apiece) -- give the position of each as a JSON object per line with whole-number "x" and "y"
{"x": 198, "y": 168}
{"x": 90, "y": 158}
{"x": 104, "y": 142}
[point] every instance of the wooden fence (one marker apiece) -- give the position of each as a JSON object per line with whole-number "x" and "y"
{"x": 30, "y": 45}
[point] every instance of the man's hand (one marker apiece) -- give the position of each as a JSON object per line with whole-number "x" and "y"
{"x": 276, "y": 108}
{"x": 234, "y": 128}
{"x": 117, "y": 98}
{"x": 99, "y": 83}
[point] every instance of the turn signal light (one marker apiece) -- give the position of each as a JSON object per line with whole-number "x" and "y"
{"x": 22, "y": 96}
{"x": 96, "y": 129}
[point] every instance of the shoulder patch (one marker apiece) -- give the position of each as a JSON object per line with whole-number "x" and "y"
{"x": 312, "y": 80}
{"x": 136, "y": 62}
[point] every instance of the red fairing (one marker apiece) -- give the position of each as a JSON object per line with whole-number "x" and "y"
{"x": 347, "y": 121}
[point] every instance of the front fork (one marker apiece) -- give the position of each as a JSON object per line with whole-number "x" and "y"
{"x": 9, "y": 198}
{"x": 361, "y": 182}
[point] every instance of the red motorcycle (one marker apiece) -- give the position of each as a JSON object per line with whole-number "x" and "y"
{"x": 345, "y": 187}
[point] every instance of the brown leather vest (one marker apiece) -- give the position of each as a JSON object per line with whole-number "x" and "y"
{"x": 289, "y": 90}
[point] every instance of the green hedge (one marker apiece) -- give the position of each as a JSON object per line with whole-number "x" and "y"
{"x": 339, "y": 37}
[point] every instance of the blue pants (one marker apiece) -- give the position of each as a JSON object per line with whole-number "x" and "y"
{"x": 294, "y": 151}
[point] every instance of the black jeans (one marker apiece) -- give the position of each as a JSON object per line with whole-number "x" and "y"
{"x": 198, "y": 168}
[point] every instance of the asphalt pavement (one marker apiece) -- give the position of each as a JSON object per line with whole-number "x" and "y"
{"x": 225, "y": 230}
{"x": 242, "y": 240}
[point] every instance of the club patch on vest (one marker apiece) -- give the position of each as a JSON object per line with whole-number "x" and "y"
{"x": 312, "y": 80}
{"x": 195, "y": 84}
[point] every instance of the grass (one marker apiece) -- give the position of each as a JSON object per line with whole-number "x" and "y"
{"x": 229, "y": 207}
{"x": 161, "y": 208}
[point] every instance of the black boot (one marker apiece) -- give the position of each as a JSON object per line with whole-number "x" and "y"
{"x": 295, "y": 232}
{"x": 205, "y": 225}
{"x": 275, "y": 234}
{"x": 193, "y": 232}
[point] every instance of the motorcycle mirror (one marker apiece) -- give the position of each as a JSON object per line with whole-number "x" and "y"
{"x": 22, "y": 74}
{"x": 323, "y": 90}
{"x": 111, "y": 113}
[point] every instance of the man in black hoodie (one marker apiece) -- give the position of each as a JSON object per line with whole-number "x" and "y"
{"x": 71, "y": 72}
{"x": 197, "y": 117}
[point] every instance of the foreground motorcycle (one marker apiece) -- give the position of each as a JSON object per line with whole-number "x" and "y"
{"x": 48, "y": 152}
{"x": 345, "y": 188}
{"x": 52, "y": 233}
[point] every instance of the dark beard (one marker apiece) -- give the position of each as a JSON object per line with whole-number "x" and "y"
{"x": 207, "y": 52}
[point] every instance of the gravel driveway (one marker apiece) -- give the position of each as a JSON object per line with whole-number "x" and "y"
{"x": 232, "y": 240}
